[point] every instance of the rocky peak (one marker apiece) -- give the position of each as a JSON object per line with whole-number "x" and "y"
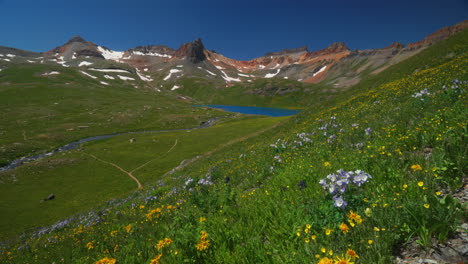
{"x": 337, "y": 47}
{"x": 194, "y": 51}
{"x": 288, "y": 51}
{"x": 76, "y": 39}
{"x": 441, "y": 34}
{"x": 395, "y": 45}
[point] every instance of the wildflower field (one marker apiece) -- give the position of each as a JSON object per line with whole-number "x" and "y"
{"x": 347, "y": 182}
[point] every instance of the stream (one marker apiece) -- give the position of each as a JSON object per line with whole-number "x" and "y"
{"x": 73, "y": 145}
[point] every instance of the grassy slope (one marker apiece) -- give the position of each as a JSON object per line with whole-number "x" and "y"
{"x": 41, "y": 113}
{"x": 261, "y": 215}
{"x": 80, "y": 182}
{"x": 264, "y": 92}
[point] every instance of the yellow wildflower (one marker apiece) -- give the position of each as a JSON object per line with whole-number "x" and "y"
{"x": 344, "y": 228}
{"x": 325, "y": 260}
{"x": 202, "y": 219}
{"x": 420, "y": 184}
{"x": 327, "y": 164}
{"x": 427, "y": 205}
{"x": 370, "y": 241}
{"x": 328, "y": 231}
{"x": 156, "y": 259}
{"x": 160, "y": 244}
{"x": 167, "y": 241}
{"x": 90, "y": 245}
{"x": 128, "y": 228}
{"x": 416, "y": 167}
{"x": 106, "y": 261}
{"x": 343, "y": 260}
{"x": 352, "y": 253}
{"x": 203, "y": 245}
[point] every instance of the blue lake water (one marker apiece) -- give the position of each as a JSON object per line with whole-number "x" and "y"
{"x": 253, "y": 110}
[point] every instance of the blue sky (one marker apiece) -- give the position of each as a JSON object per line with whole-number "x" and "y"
{"x": 241, "y": 29}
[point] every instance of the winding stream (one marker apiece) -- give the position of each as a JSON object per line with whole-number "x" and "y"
{"x": 73, "y": 145}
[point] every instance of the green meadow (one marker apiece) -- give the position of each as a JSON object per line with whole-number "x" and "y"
{"x": 350, "y": 180}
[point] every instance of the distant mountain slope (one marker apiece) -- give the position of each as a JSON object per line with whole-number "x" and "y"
{"x": 163, "y": 67}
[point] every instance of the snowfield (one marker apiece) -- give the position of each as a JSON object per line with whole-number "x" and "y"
{"x": 109, "y": 77}
{"x": 175, "y": 87}
{"x": 170, "y": 73}
{"x": 85, "y": 63}
{"x": 271, "y": 75}
{"x": 321, "y": 70}
{"x": 145, "y": 78}
{"x": 126, "y": 78}
{"x": 211, "y": 73}
{"x": 110, "y": 54}
{"x": 155, "y": 54}
{"x": 89, "y": 75}
{"x": 50, "y": 73}
{"x": 110, "y": 70}
{"x": 229, "y": 79}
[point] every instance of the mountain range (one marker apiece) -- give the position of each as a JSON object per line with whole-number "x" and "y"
{"x": 162, "y": 67}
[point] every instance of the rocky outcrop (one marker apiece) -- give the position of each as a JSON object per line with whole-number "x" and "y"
{"x": 288, "y": 51}
{"x": 88, "y": 53}
{"x": 193, "y": 52}
{"x": 440, "y": 34}
{"x": 395, "y": 45}
{"x": 160, "y": 49}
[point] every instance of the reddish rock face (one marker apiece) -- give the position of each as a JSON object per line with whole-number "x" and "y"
{"x": 396, "y": 45}
{"x": 194, "y": 52}
{"x": 440, "y": 34}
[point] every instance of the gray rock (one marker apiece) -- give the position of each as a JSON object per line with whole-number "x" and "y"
{"x": 448, "y": 254}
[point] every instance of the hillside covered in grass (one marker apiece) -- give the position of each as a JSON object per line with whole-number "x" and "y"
{"x": 349, "y": 181}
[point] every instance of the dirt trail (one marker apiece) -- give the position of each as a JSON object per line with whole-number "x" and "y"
{"x": 118, "y": 167}
{"x": 206, "y": 154}
{"x": 146, "y": 163}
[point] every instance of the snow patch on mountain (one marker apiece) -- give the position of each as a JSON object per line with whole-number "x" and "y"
{"x": 321, "y": 70}
{"x": 109, "y": 77}
{"x": 155, "y": 54}
{"x": 214, "y": 74}
{"x": 104, "y": 83}
{"x": 229, "y": 79}
{"x": 170, "y": 73}
{"x": 109, "y": 70}
{"x": 85, "y": 63}
{"x": 110, "y": 54}
{"x": 271, "y": 75}
{"x": 243, "y": 75}
{"x": 126, "y": 78}
{"x": 50, "y": 73}
{"x": 89, "y": 75}
{"x": 11, "y": 55}
{"x": 145, "y": 78}
{"x": 175, "y": 87}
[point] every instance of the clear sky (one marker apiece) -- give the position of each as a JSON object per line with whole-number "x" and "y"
{"x": 239, "y": 29}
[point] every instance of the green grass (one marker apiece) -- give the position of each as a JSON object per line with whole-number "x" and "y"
{"x": 266, "y": 205}
{"x": 81, "y": 182}
{"x": 41, "y": 113}
{"x": 273, "y": 92}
